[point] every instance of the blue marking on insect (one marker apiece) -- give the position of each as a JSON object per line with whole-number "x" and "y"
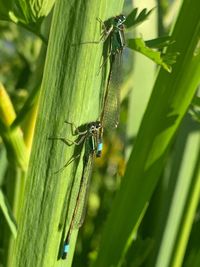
{"x": 66, "y": 248}
{"x": 100, "y": 147}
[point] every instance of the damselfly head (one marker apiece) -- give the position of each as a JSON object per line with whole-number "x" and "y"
{"x": 120, "y": 20}
{"x": 98, "y": 124}
{"x": 94, "y": 126}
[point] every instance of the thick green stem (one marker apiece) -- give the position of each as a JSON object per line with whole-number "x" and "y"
{"x": 71, "y": 90}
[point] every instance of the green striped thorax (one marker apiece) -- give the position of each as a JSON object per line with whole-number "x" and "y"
{"x": 115, "y": 28}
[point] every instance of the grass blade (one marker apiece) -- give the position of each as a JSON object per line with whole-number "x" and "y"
{"x": 71, "y": 91}
{"x": 8, "y": 214}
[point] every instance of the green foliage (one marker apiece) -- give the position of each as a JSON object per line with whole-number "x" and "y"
{"x": 25, "y": 12}
{"x": 164, "y": 60}
{"x": 160, "y": 42}
{"x": 145, "y": 47}
{"x": 28, "y": 14}
{"x": 195, "y": 108}
{"x": 153, "y": 212}
{"x": 7, "y": 211}
{"x": 134, "y": 19}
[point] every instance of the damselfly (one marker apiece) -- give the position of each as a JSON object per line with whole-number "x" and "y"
{"x": 113, "y": 38}
{"x": 92, "y": 137}
{"x": 113, "y": 31}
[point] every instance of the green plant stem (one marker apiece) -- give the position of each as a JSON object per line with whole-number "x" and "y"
{"x": 71, "y": 91}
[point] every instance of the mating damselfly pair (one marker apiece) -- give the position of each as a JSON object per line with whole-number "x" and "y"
{"x": 113, "y": 37}
{"x": 113, "y": 32}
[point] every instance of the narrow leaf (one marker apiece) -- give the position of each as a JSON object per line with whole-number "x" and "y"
{"x": 133, "y": 19}
{"x": 160, "y": 42}
{"x": 13, "y": 139}
{"x": 8, "y": 214}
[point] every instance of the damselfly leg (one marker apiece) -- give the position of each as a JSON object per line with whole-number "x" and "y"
{"x": 75, "y": 130}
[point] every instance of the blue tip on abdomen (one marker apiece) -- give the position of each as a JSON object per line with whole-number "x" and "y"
{"x": 65, "y": 251}
{"x": 66, "y": 248}
{"x": 100, "y": 147}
